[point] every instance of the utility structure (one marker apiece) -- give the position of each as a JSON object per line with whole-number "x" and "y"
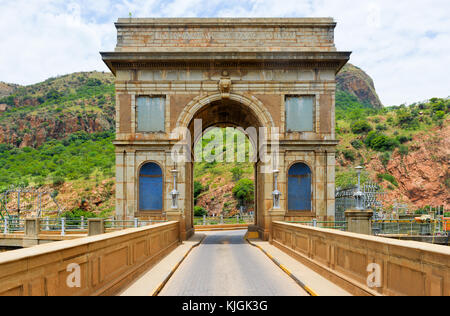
{"x": 274, "y": 78}
{"x": 28, "y": 201}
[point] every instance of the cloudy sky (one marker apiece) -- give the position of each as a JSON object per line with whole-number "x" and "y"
{"x": 404, "y": 45}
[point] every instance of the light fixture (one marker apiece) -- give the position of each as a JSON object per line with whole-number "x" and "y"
{"x": 276, "y": 194}
{"x": 174, "y": 194}
{"x": 358, "y": 195}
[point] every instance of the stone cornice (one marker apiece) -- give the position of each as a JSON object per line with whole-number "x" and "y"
{"x": 225, "y": 22}
{"x": 224, "y": 60}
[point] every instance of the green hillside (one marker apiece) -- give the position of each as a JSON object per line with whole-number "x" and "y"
{"x": 58, "y": 135}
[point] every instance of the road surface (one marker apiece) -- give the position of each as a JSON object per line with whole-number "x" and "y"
{"x": 226, "y": 265}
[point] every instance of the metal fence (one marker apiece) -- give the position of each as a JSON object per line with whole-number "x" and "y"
{"x": 64, "y": 226}
{"x": 221, "y": 220}
{"x": 408, "y": 227}
{"x": 26, "y": 200}
{"x": 12, "y": 225}
{"x": 345, "y": 199}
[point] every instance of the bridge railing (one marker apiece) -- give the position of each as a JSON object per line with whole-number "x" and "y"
{"x": 408, "y": 227}
{"x": 11, "y": 226}
{"x": 115, "y": 225}
{"x": 96, "y": 265}
{"x": 368, "y": 265}
{"x": 62, "y": 226}
{"x": 339, "y": 225}
{"x": 222, "y": 220}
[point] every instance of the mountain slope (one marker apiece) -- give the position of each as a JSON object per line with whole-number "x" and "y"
{"x": 353, "y": 81}
{"x": 45, "y": 126}
{"x": 57, "y": 108}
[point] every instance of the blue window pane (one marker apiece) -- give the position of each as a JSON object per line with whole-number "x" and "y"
{"x": 300, "y": 114}
{"x": 150, "y": 188}
{"x": 299, "y": 188}
{"x": 151, "y": 169}
{"x": 150, "y": 114}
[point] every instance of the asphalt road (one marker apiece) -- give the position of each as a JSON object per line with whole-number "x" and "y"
{"x": 226, "y": 265}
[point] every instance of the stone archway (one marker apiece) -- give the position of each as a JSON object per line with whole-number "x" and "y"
{"x": 236, "y": 111}
{"x": 273, "y": 73}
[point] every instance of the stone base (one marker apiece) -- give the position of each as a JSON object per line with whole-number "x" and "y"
{"x": 359, "y": 221}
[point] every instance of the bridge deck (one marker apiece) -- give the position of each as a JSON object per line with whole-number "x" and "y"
{"x": 226, "y": 265}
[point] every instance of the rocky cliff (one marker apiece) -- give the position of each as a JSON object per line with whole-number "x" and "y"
{"x": 356, "y": 82}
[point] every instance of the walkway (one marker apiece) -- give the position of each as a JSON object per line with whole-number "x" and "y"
{"x": 226, "y": 265}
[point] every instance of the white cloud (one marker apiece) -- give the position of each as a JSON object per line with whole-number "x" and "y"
{"x": 403, "y": 45}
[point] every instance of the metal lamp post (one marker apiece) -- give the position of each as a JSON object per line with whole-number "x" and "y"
{"x": 276, "y": 194}
{"x": 174, "y": 194}
{"x": 358, "y": 194}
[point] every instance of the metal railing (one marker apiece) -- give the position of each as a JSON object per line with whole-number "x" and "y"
{"x": 64, "y": 226}
{"x": 112, "y": 224}
{"x": 12, "y": 225}
{"x": 222, "y": 220}
{"x": 339, "y": 225}
{"x": 408, "y": 227}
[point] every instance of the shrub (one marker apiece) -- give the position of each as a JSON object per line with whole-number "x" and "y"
{"x": 440, "y": 115}
{"x": 244, "y": 191}
{"x": 360, "y": 127}
{"x": 78, "y": 213}
{"x": 380, "y": 142}
{"x": 403, "y": 139}
{"x": 403, "y": 150}
{"x": 349, "y": 155}
{"x": 357, "y": 144}
{"x": 381, "y": 127}
{"x": 199, "y": 211}
{"x": 58, "y": 180}
{"x": 388, "y": 177}
{"x": 447, "y": 214}
{"x": 385, "y": 157}
{"x": 406, "y": 119}
{"x": 237, "y": 173}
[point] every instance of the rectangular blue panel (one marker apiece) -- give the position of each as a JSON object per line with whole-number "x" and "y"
{"x": 300, "y": 114}
{"x": 150, "y": 193}
{"x": 299, "y": 193}
{"x": 150, "y": 114}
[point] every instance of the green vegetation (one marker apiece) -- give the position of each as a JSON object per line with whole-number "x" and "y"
{"x": 76, "y": 214}
{"x": 244, "y": 191}
{"x": 349, "y": 154}
{"x": 75, "y": 157}
{"x": 360, "y": 127}
{"x": 199, "y": 211}
{"x": 380, "y": 142}
{"x": 387, "y": 177}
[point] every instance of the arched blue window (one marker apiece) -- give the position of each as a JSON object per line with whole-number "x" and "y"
{"x": 299, "y": 188}
{"x": 150, "y": 188}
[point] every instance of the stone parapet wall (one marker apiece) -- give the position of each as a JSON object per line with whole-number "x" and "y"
{"x": 407, "y": 268}
{"x": 298, "y": 34}
{"x": 107, "y": 262}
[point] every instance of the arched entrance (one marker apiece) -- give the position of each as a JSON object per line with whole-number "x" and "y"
{"x": 247, "y": 116}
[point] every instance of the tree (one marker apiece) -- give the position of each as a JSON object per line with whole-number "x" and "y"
{"x": 199, "y": 211}
{"x": 244, "y": 191}
{"x": 360, "y": 127}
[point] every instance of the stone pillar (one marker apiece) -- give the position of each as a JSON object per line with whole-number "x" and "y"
{"x": 96, "y": 226}
{"x": 359, "y": 221}
{"x": 32, "y": 227}
{"x": 121, "y": 185}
